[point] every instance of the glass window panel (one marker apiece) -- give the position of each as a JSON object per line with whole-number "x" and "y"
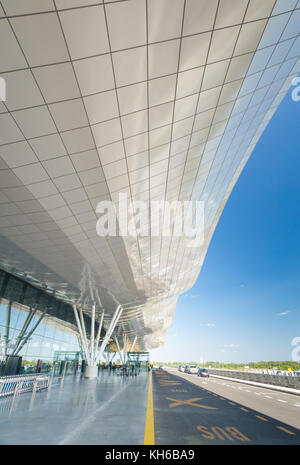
{"x": 3, "y": 308}
{"x": 292, "y": 28}
{"x": 21, "y": 319}
{"x": 32, "y": 323}
{"x": 295, "y": 50}
{"x": 49, "y": 330}
{"x": 260, "y": 59}
{"x": 40, "y": 330}
{"x": 274, "y": 30}
{"x": 250, "y": 83}
{"x": 13, "y": 317}
{"x": 280, "y": 52}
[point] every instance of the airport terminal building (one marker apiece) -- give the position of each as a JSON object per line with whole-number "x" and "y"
{"x": 156, "y": 100}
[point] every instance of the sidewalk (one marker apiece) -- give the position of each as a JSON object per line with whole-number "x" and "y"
{"x": 108, "y": 410}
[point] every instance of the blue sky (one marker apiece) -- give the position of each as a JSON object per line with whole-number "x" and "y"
{"x": 245, "y": 305}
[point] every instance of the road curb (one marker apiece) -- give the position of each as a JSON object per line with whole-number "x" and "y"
{"x": 267, "y": 386}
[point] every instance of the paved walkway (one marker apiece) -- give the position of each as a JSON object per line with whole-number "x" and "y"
{"x": 108, "y": 410}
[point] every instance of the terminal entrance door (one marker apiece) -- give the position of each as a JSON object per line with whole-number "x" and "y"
{"x": 66, "y": 362}
{"x": 139, "y": 360}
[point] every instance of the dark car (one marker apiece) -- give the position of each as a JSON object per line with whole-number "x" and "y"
{"x": 203, "y": 372}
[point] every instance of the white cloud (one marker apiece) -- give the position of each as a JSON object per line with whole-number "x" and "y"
{"x": 284, "y": 313}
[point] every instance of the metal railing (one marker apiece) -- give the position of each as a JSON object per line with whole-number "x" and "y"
{"x": 17, "y": 384}
{"x": 276, "y": 380}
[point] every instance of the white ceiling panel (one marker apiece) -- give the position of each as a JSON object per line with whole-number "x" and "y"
{"x": 130, "y": 66}
{"x": 57, "y": 82}
{"x": 135, "y": 123}
{"x": 162, "y": 90}
{"x": 35, "y": 122}
{"x": 107, "y": 132}
{"x": 18, "y": 154}
{"x": 59, "y": 166}
{"x": 156, "y": 99}
{"x": 69, "y": 114}
{"x": 194, "y": 51}
{"x": 258, "y": 9}
{"x": 68, "y": 182}
{"x": 164, "y": 19}
{"x": 223, "y": 43}
{"x": 31, "y": 173}
{"x": 94, "y": 74}
{"x": 9, "y": 130}
{"x": 85, "y": 160}
{"x": 189, "y": 82}
{"x": 112, "y": 152}
{"x": 21, "y": 90}
{"x": 48, "y": 147}
{"x": 15, "y": 7}
{"x": 101, "y": 107}
{"x": 64, "y": 4}
{"x": 41, "y": 37}
{"x": 78, "y": 140}
{"x": 126, "y": 24}
{"x": 11, "y": 54}
{"x": 199, "y": 16}
{"x": 230, "y": 12}
{"x": 163, "y": 58}
{"x": 132, "y": 98}
{"x": 91, "y": 24}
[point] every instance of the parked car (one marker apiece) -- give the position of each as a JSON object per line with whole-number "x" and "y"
{"x": 186, "y": 369}
{"x": 191, "y": 369}
{"x": 203, "y": 372}
{"x": 160, "y": 367}
{"x": 182, "y": 368}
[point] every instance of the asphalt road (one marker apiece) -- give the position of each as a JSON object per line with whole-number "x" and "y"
{"x": 191, "y": 410}
{"x": 278, "y": 405}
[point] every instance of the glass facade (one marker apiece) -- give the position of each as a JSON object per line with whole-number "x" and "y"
{"x": 39, "y": 348}
{"x": 139, "y": 360}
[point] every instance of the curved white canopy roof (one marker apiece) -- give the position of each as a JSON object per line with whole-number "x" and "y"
{"x": 160, "y": 99}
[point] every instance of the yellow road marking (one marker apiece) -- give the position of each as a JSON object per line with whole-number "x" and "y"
{"x": 232, "y": 403}
{"x": 261, "y": 418}
{"x": 169, "y": 382}
{"x": 149, "y": 438}
{"x": 244, "y": 409}
{"x": 176, "y": 403}
{"x": 285, "y": 430}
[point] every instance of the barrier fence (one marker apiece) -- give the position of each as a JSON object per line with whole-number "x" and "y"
{"x": 284, "y": 381}
{"x": 17, "y": 384}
